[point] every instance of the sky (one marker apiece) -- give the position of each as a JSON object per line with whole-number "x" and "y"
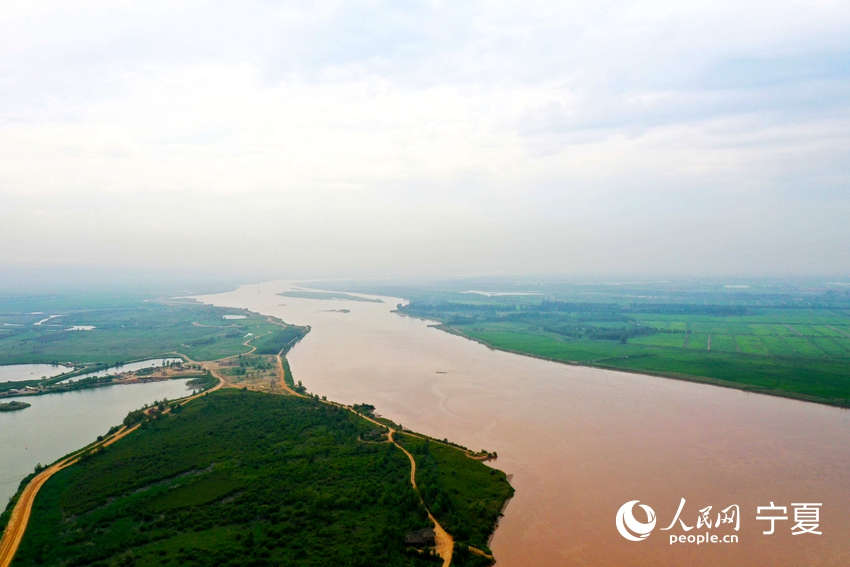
{"x": 368, "y": 139}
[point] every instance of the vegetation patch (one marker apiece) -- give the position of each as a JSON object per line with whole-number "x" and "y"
{"x": 132, "y": 332}
{"x": 14, "y": 406}
{"x": 279, "y": 341}
{"x": 465, "y": 495}
{"x": 241, "y": 478}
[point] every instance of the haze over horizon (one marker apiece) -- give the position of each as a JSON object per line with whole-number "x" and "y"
{"x": 365, "y": 139}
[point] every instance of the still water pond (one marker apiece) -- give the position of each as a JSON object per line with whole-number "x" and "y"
{"x": 580, "y": 442}
{"x": 57, "y": 424}
{"x": 20, "y": 372}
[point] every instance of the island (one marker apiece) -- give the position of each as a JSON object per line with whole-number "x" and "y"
{"x": 13, "y": 406}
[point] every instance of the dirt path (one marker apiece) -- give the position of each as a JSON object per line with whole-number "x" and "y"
{"x": 445, "y": 543}
{"x": 469, "y": 453}
{"x": 837, "y": 330}
{"x": 21, "y": 513}
{"x": 17, "y": 526}
{"x": 793, "y": 330}
{"x": 282, "y": 376}
{"x": 14, "y": 532}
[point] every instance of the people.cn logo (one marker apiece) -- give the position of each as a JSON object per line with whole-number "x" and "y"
{"x": 629, "y": 527}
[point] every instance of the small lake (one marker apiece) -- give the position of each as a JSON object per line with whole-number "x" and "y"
{"x": 57, "y": 424}
{"x": 20, "y": 372}
{"x": 130, "y": 367}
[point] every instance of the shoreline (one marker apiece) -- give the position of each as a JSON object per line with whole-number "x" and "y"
{"x": 672, "y": 375}
{"x": 19, "y": 508}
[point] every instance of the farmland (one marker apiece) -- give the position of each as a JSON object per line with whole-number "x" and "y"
{"x": 789, "y": 339}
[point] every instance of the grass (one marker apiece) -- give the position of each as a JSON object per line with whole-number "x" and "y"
{"x": 698, "y": 341}
{"x": 674, "y": 340}
{"x": 241, "y": 478}
{"x": 279, "y": 341}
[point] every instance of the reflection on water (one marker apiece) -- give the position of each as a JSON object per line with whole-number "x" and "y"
{"x": 58, "y": 424}
{"x": 580, "y": 442}
{"x": 21, "y": 372}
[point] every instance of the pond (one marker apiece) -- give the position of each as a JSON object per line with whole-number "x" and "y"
{"x": 58, "y": 424}
{"x": 21, "y": 372}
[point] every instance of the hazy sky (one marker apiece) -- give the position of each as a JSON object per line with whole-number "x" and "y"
{"x": 302, "y": 139}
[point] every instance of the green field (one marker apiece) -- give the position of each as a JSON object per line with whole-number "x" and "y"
{"x": 121, "y": 334}
{"x": 244, "y": 478}
{"x": 745, "y": 340}
{"x": 137, "y": 331}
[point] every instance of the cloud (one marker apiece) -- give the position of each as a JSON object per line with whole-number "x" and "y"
{"x": 476, "y": 135}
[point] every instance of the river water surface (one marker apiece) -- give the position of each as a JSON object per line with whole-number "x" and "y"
{"x": 580, "y": 442}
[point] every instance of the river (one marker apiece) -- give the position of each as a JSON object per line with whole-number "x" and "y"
{"x": 580, "y": 442}
{"x": 58, "y": 424}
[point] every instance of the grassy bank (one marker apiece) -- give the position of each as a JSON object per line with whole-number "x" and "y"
{"x": 801, "y": 353}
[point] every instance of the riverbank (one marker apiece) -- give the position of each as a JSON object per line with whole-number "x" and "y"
{"x": 246, "y": 372}
{"x": 38, "y": 542}
{"x": 579, "y": 441}
{"x": 843, "y": 403}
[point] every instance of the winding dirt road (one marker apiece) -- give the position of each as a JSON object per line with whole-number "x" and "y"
{"x": 19, "y": 519}
{"x": 444, "y": 542}
{"x": 21, "y": 513}
{"x": 17, "y": 526}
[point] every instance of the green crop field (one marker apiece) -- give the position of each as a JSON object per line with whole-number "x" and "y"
{"x": 243, "y": 478}
{"x": 698, "y": 341}
{"x": 750, "y": 344}
{"x": 776, "y": 345}
{"x": 661, "y": 339}
{"x": 784, "y": 338}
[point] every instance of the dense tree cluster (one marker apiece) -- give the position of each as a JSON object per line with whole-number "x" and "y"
{"x": 236, "y": 478}
{"x": 465, "y": 495}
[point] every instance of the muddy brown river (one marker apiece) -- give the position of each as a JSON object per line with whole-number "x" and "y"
{"x": 581, "y": 442}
